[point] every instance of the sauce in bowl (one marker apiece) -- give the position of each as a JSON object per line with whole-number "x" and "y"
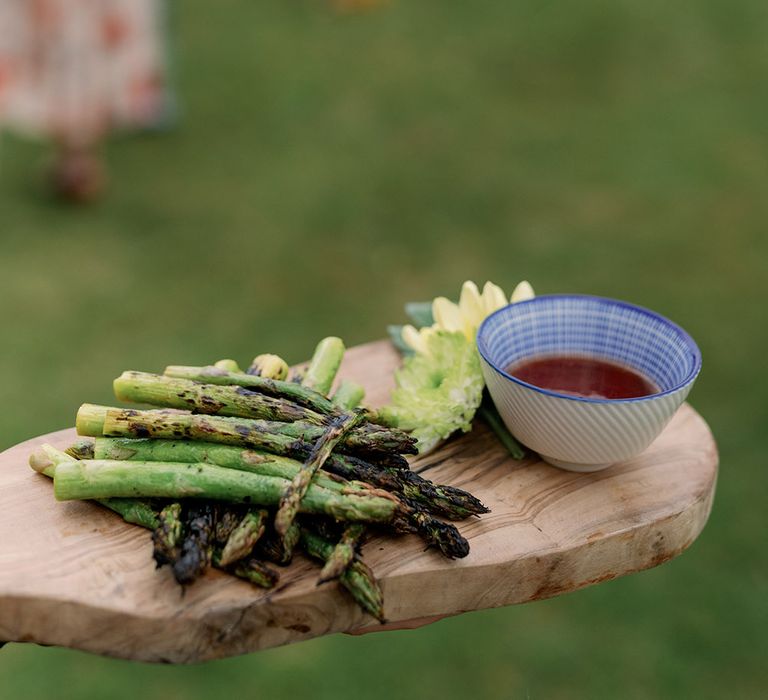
{"x": 585, "y": 377}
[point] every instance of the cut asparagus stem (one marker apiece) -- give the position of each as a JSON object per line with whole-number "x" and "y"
{"x": 227, "y": 365}
{"x": 256, "y": 462}
{"x": 243, "y": 538}
{"x": 46, "y": 458}
{"x": 159, "y": 390}
{"x": 140, "y": 512}
{"x": 269, "y": 366}
{"x": 166, "y": 537}
{"x": 197, "y": 544}
{"x": 358, "y": 579}
{"x": 291, "y": 500}
{"x": 89, "y": 421}
{"x": 490, "y": 414}
{"x": 279, "y": 438}
{"x": 343, "y": 553}
{"x": 348, "y": 395}
{"x": 324, "y": 365}
{"x": 107, "y": 479}
{"x": 302, "y": 395}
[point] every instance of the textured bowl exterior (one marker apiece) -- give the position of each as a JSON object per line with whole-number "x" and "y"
{"x": 578, "y": 432}
{"x": 586, "y": 433}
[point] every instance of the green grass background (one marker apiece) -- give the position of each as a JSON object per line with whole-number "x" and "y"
{"x": 329, "y": 168}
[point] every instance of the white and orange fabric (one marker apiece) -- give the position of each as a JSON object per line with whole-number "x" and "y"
{"x": 76, "y": 68}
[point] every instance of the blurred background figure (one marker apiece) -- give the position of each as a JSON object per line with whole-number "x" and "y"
{"x": 73, "y": 70}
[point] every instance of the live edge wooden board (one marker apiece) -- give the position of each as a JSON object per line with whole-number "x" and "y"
{"x": 73, "y": 574}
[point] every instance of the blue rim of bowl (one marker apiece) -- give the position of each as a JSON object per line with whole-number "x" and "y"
{"x": 689, "y": 341}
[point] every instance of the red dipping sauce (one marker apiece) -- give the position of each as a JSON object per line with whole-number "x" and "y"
{"x": 583, "y": 376}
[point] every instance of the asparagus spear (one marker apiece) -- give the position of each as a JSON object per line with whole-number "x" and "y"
{"x": 269, "y": 366}
{"x": 324, "y": 365}
{"x": 369, "y": 439}
{"x": 280, "y": 438}
{"x": 166, "y": 537}
{"x": 278, "y": 549}
{"x": 294, "y": 493}
{"x": 256, "y": 462}
{"x": 229, "y": 518}
{"x": 133, "y": 510}
{"x": 254, "y": 571}
{"x": 105, "y": 479}
{"x": 158, "y": 390}
{"x": 358, "y": 579}
{"x": 248, "y": 569}
{"x": 46, "y": 458}
{"x": 291, "y": 391}
{"x": 438, "y": 534}
{"x": 243, "y": 538}
{"x": 196, "y": 546}
{"x": 90, "y": 418}
{"x": 81, "y": 449}
{"x": 444, "y": 536}
{"x": 343, "y": 553}
{"x": 142, "y": 512}
{"x": 348, "y": 395}
{"x": 445, "y": 501}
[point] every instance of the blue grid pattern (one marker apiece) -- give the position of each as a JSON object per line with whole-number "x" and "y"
{"x": 593, "y": 327}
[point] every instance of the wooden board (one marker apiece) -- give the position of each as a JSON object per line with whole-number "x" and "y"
{"x": 73, "y": 574}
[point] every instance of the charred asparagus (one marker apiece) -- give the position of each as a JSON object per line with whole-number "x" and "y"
{"x": 293, "y": 494}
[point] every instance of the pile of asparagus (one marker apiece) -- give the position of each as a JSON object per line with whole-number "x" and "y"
{"x": 237, "y": 469}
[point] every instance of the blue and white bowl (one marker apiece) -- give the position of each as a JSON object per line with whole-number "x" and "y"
{"x": 578, "y": 433}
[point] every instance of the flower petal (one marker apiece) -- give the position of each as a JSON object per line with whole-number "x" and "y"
{"x": 471, "y": 305}
{"x": 447, "y": 315}
{"x": 493, "y": 298}
{"x": 522, "y": 292}
{"x": 413, "y": 339}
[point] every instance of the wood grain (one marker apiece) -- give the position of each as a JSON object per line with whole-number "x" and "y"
{"x": 73, "y": 574}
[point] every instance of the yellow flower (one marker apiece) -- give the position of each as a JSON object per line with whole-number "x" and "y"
{"x": 466, "y": 316}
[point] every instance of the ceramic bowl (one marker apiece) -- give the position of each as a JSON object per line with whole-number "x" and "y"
{"x": 579, "y": 433}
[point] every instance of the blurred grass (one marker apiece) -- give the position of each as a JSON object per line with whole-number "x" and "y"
{"x": 327, "y": 169}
